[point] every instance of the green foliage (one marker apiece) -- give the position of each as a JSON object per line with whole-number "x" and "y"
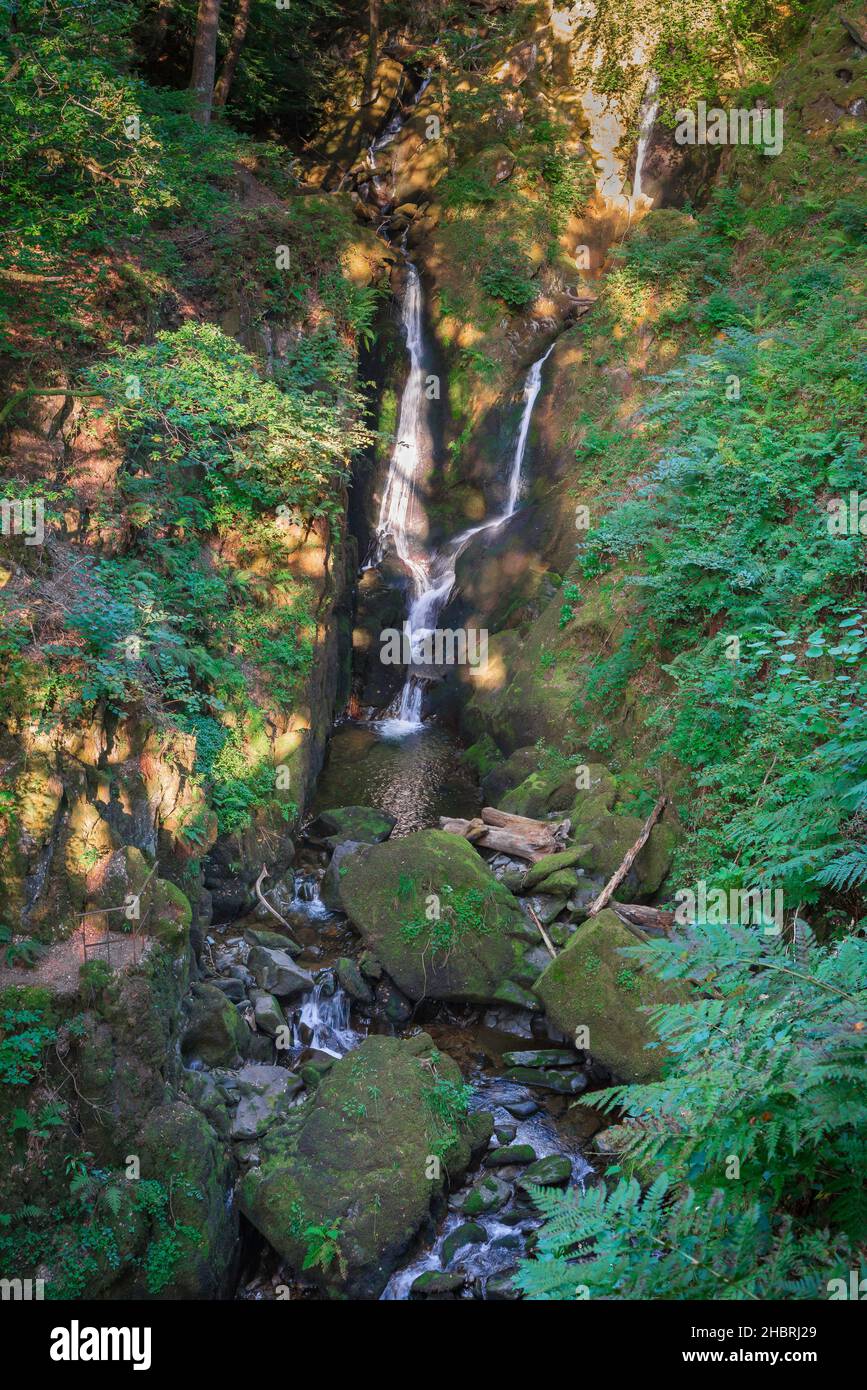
{"x": 619, "y": 1243}
{"x": 323, "y": 1247}
{"x": 456, "y": 912}
{"x": 509, "y": 279}
{"x": 758, "y": 1129}
{"x": 25, "y": 1033}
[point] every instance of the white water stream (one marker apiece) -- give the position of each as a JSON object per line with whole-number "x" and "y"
{"x": 646, "y": 121}
{"x": 401, "y": 517}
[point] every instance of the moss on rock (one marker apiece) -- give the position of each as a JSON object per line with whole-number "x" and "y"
{"x": 591, "y": 985}
{"x": 437, "y": 919}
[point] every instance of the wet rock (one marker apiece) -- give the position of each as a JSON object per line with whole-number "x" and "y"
{"x": 215, "y": 1033}
{"x": 553, "y": 1171}
{"x": 437, "y": 1283}
{"x": 505, "y": 1133}
{"x": 353, "y": 982}
{"x": 267, "y": 1012}
{"x": 272, "y": 940}
{"x": 521, "y": 1109}
{"x": 468, "y": 1233}
{"x": 571, "y": 1083}
{"x": 541, "y": 1057}
{"x": 487, "y": 1195}
{"x": 500, "y": 1287}
{"x": 276, "y": 972}
{"x": 281, "y": 896}
{"x": 508, "y": 1154}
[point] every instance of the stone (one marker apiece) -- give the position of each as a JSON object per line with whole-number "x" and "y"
{"x": 540, "y": 1057}
{"x": 553, "y": 1171}
{"x": 355, "y": 1157}
{"x": 214, "y": 1033}
{"x": 266, "y": 1092}
{"x": 570, "y": 1083}
{"x": 332, "y": 879}
{"x": 487, "y": 1195}
{"x": 468, "y": 1233}
{"x": 550, "y": 864}
{"x": 276, "y": 972}
{"x": 363, "y": 824}
{"x": 272, "y": 940}
{"x": 509, "y": 1154}
{"x": 435, "y": 1283}
{"x": 352, "y": 981}
{"x": 467, "y": 953}
{"x": 591, "y": 984}
{"x": 267, "y": 1012}
{"x": 233, "y": 989}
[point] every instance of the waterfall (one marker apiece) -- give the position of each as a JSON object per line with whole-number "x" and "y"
{"x": 433, "y": 576}
{"x": 646, "y": 119}
{"x": 322, "y": 1020}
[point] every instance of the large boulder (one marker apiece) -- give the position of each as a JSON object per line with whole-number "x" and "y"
{"x": 365, "y": 1158}
{"x": 437, "y": 919}
{"x": 215, "y": 1033}
{"x": 592, "y": 985}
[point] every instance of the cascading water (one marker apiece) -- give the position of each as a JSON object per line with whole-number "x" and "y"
{"x": 433, "y": 577}
{"x": 646, "y": 120}
{"x": 321, "y": 1022}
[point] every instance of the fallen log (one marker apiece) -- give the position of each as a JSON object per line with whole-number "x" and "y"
{"x": 628, "y": 860}
{"x": 517, "y": 836}
{"x": 652, "y": 921}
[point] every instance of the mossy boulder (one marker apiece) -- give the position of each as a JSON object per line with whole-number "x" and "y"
{"x": 363, "y": 824}
{"x": 215, "y": 1034}
{"x": 551, "y": 864}
{"x": 367, "y": 1155}
{"x": 180, "y": 1150}
{"x": 437, "y": 919}
{"x": 591, "y": 985}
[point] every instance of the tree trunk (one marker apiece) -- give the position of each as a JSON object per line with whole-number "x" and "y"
{"x": 372, "y": 52}
{"x": 236, "y": 43}
{"x": 205, "y": 57}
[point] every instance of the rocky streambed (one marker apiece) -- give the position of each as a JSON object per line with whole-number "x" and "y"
{"x": 386, "y": 1045}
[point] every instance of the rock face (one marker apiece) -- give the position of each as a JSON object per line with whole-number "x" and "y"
{"x": 590, "y": 984}
{"x": 473, "y": 950}
{"x": 366, "y": 1157}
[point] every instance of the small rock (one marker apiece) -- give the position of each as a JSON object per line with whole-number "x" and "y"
{"x": 553, "y": 1171}
{"x": 510, "y": 1153}
{"x": 500, "y": 1287}
{"x": 353, "y": 981}
{"x": 487, "y": 1195}
{"x": 437, "y": 1283}
{"x": 276, "y": 972}
{"x": 468, "y": 1233}
{"x": 233, "y": 989}
{"x": 505, "y": 1133}
{"x": 272, "y": 940}
{"x": 521, "y": 1109}
{"x": 541, "y": 1057}
{"x": 565, "y": 1083}
{"x": 267, "y": 1012}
